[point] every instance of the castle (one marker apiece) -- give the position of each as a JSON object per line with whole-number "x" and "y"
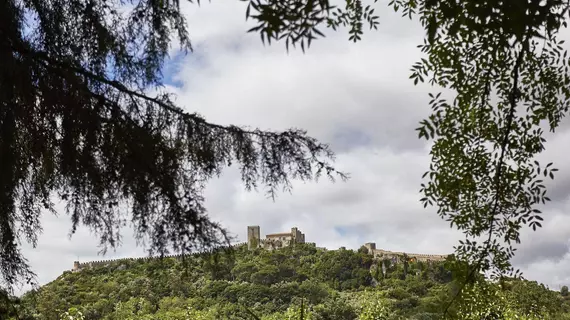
{"x": 275, "y": 240}
{"x": 280, "y": 240}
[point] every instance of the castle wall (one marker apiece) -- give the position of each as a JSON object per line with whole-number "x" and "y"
{"x": 378, "y": 253}
{"x": 78, "y": 266}
{"x": 271, "y": 242}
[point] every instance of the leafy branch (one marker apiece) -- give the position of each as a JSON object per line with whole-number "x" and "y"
{"x": 482, "y": 173}
{"x": 514, "y": 97}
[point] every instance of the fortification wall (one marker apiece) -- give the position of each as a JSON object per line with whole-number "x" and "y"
{"x": 268, "y": 244}
{"x": 78, "y": 266}
{"x": 418, "y": 256}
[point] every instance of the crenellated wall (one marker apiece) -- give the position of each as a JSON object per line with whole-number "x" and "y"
{"x": 78, "y": 266}
{"x": 270, "y": 243}
{"x": 378, "y": 253}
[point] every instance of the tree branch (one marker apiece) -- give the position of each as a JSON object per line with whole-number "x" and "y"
{"x": 513, "y": 99}
{"x": 37, "y": 55}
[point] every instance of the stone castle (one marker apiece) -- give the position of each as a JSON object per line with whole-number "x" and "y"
{"x": 275, "y": 240}
{"x": 280, "y": 240}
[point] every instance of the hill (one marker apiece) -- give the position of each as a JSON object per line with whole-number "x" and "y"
{"x": 271, "y": 285}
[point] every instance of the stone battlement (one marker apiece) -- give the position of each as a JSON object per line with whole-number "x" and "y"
{"x": 78, "y": 266}
{"x": 380, "y": 253}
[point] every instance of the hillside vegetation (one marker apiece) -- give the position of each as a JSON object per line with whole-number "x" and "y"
{"x": 282, "y": 284}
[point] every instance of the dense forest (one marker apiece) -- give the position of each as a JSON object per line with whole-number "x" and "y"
{"x": 290, "y": 283}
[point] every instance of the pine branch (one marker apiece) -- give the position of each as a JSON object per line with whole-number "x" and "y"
{"x": 50, "y": 62}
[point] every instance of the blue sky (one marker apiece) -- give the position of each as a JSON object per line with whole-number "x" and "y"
{"x": 170, "y": 71}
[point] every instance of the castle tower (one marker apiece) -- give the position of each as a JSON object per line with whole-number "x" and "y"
{"x": 253, "y": 237}
{"x": 75, "y": 265}
{"x": 297, "y": 236}
{"x": 294, "y": 233}
{"x": 371, "y": 246}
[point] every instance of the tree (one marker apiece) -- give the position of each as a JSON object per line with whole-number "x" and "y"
{"x": 508, "y": 75}
{"x": 267, "y": 275}
{"x": 492, "y": 188}
{"x": 72, "y": 314}
{"x": 7, "y": 305}
{"x": 374, "y": 307}
{"x": 79, "y": 120}
{"x": 96, "y": 294}
{"x": 334, "y": 309}
{"x": 564, "y": 291}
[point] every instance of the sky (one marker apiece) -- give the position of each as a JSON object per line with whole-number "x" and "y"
{"x": 355, "y": 96}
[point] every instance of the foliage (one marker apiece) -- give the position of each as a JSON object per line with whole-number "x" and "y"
{"x": 511, "y": 300}
{"x": 374, "y": 308}
{"x": 484, "y": 178}
{"x": 72, "y": 314}
{"x": 8, "y": 304}
{"x": 334, "y": 308}
{"x": 145, "y": 290}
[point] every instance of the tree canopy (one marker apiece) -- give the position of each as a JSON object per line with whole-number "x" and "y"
{"x": 297, "y": 281}
{"x": 78, "y": 118}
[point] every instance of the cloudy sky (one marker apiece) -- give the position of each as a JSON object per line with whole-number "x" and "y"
{"x": 358, "y": 98}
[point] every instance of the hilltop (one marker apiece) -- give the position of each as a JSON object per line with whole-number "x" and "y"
{"x": 276, "y": 241}
{"x": 272, "y": 284}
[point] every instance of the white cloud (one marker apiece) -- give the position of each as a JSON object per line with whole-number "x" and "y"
{"x": 357, "y": 97}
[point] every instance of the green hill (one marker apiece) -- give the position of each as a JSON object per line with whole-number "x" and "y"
{"x": 270, "y": 285}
